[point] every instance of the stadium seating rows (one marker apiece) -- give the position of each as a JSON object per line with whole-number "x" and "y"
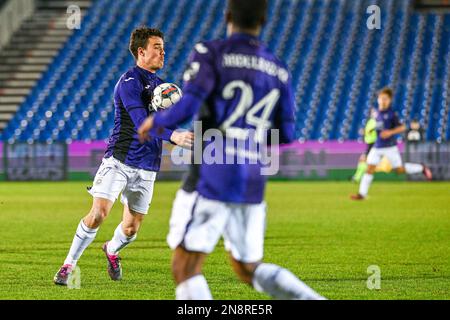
{"x": 337, "y": 65}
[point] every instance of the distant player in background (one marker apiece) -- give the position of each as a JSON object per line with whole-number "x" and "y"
{"x": 388, "y": 126}
{"x": 370, "y": 136}
{"x": 129, "y": 167}
{"x": 415, "y": 133}
{"x": 234, "y": 85}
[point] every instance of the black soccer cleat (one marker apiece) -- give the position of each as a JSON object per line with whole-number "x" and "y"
{"x": 62, "y": 276}
{"x": 114, "y": 266}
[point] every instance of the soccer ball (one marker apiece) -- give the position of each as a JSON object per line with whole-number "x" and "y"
{"x": 165, "y": 95}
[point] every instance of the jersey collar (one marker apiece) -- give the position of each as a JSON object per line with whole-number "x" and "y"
{"x": 243, "y": 36}
{"x": 147, "y": 74}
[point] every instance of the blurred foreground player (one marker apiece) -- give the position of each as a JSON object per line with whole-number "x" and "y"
{"x": 415, "y": 133}
{"x": 234, "y": 85}
{"x": 129, "y": 167}
{"x": 388, "y": 126}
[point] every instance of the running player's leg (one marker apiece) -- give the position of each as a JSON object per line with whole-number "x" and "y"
{"x": 393, "y": 155}
{"x": 274, "y": 281}
{"x": 87, "y": 228}
{"x": 136, "y": 198}
{"x": 416, "y": 168}
{"x": 361, "y": 169}
{"x": 187, "y": 272}
{"x": 84, "y": 235}
{"x": 108, "y": 184}
{"x": 196, "y": 226}
{"x": 408, "y": 168}
{"x": 373, "y": 158}
{"x": 125, "y": 233}
{"x": 244, "y": 239}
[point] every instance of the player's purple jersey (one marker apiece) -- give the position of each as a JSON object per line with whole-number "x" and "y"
{"x": 386, "y": 120}
{"x": 242, "y": 86}
{"x": 132, "y": 99}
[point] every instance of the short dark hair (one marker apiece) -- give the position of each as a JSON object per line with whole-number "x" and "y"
{"x": 387, "y": 91}
{"x": 247, "y": 14}
{"x": 139, "y": 38}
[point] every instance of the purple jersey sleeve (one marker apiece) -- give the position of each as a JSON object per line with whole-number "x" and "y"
{"x": 179, "y": 113}
{"x": 285, "y": 118}
{"x": 200, "y": 79}
{"x": 131, "y": 95}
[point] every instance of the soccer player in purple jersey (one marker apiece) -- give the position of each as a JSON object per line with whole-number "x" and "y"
{"x": 129, "y": 167}
{"x": 232, "y": 86}
{"x": 388, "y": 126}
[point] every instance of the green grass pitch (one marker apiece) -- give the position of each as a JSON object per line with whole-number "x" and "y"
{"x": 313, "y": 229}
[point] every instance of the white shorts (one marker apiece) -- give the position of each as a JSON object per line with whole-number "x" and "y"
{"x": 391, "y": 153}
{"x": 198, "y": 223}
{"x": 136, "y": 185}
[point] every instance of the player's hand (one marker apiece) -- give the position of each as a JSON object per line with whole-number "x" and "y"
{"x": 143, "y": 130}
{"x": 386, "y": 134}
{"x": 184, "y": 139}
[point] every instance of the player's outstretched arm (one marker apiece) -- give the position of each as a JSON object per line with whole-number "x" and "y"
{"x": 138, "y": 116}
{"x": 179, "y": 113}
{"x": 184, "y": 139}
{"x": 385, "y": 134}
